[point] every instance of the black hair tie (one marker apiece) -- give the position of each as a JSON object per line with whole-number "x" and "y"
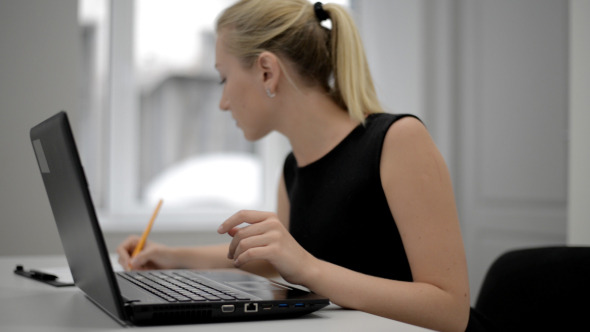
{"x": 320, "y": 13}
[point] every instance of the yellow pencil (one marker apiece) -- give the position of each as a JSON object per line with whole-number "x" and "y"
{"x": 147, "y": 230}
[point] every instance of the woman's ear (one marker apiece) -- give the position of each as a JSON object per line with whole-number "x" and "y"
{"x": 269, "y": 67}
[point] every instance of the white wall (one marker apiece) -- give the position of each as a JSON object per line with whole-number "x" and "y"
{"x": 38, "y": 77}
{"x": 490, "y": 80}
{"x": 579, "y": 150}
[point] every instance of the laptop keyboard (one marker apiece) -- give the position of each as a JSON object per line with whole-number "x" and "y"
{"x": 182, "y": 286}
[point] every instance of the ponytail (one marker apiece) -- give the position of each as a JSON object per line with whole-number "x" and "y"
{"x": 353, "y": 84}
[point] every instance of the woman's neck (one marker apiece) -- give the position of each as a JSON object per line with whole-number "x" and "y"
{"x": 314, "y": 125}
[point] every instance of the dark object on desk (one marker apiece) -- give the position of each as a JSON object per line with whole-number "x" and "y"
{"x": 538, "y": 289}
{"x": 47, "y": 278}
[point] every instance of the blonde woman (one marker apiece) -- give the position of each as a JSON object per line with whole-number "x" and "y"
{"x": 366, "y": 213}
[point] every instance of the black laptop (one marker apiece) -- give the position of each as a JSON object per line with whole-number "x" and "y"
{"x": 148, "y": 297}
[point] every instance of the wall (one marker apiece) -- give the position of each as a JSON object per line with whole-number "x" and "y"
{"x": 38, "y": 77}
{"x": 513, "y": 135}
{"x": 579, "y": 152}
{"x": 490, "y": 80}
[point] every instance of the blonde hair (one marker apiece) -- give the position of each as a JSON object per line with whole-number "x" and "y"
{"x": 335, "y": 59}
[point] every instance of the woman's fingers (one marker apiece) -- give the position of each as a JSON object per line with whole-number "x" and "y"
{"x": 252, "y": 254}
{"x": 125, "y": 249}
{"x": 241, "y": 217}
{"x": 143, "y": 260}
{"x": 245, "y": 233}
{"x": 153, "y": 255}
{"x": 263, "y": 240}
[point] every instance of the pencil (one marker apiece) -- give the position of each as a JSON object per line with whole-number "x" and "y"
{"x": 147, "y": 230}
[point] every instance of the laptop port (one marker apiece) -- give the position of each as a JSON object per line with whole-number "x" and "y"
{"x": 227, "y": 308}
{"x": 251, "y": 307}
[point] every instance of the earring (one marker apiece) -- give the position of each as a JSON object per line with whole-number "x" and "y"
{"x": 270, "y": 94}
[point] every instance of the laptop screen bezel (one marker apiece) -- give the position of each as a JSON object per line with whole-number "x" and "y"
{"x": 75, "y": 217}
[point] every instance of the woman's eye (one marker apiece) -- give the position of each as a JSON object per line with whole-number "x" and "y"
{"x": 222, "y": 82}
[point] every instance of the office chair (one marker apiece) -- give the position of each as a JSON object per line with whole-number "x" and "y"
{"x": 538, "y": 289}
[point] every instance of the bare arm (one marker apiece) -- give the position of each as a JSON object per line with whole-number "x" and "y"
{"x": 158, "y": 256}
{"x": 419, "y": 192}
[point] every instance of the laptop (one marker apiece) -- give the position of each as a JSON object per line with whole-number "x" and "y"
{"x": 157, "y": 297}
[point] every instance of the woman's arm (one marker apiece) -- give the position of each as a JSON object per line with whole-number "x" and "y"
{"x": 419, "y": 192}
{"x": 159, "y": 256}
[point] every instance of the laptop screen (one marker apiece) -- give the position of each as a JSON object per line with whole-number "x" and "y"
{"x": 74, "y": 214}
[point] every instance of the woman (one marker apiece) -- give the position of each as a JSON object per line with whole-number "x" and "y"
{"x": 366, "y": 214}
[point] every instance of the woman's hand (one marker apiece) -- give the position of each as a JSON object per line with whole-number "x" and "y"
{"x": 266, "y": 238}
{"x": 153, "y": 256}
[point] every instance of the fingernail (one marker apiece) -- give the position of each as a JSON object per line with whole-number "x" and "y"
{"x": 220, "y": 229}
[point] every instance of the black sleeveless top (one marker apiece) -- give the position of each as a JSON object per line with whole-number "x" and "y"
{"x": 338, "y": 209}
{"x": 339, "y": 212}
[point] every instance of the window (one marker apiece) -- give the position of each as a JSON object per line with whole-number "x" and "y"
{"x": 150, "y": 126}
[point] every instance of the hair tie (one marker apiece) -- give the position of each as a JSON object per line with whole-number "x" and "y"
{"x": 320, "y": 13}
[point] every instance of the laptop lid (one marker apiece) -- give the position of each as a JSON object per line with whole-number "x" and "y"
{"x": 74, "y": 214}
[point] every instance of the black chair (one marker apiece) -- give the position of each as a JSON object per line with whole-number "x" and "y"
{"x": 538, "y": 289}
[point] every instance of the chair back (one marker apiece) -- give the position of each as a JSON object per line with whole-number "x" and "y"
{"x": 538, "y": 289}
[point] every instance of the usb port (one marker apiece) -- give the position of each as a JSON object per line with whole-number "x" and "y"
{"x": 299, "y": 305}
{"x": 283, "y": 305}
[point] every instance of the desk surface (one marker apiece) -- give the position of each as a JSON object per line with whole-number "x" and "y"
{"x": 28, "y": 305}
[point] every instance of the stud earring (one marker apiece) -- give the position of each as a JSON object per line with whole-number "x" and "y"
{"x": 270, "y": 94}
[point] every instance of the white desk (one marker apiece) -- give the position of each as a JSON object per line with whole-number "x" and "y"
{"x": 29, "y": 305}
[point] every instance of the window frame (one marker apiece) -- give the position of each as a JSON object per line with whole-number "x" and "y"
{"x": 122, "y": 211}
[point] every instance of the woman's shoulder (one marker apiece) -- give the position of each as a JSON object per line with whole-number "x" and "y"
{"x": 389, "y": 117}
{"x": 384, "y": 121}
{"x": 382, "y": 126}
{"x": 406, "y": 126}
{"x": 408, "y": 139}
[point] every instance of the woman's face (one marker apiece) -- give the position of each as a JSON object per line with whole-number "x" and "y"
{"x": 243, "y": 93}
